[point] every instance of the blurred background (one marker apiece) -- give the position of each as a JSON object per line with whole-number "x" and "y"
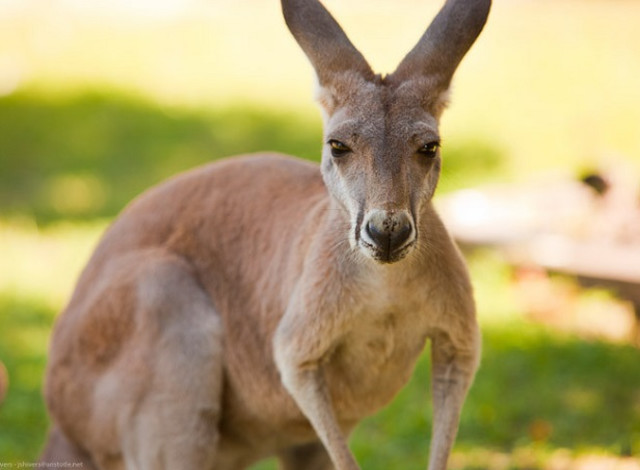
{"x": 101, "y": 99}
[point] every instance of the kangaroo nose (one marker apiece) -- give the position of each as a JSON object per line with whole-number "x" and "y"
{"x": 389, "y": 232}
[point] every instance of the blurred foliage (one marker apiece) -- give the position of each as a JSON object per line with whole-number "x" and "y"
{"x": 86, "y": 156}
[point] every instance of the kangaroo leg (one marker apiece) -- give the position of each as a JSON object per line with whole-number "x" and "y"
{"x": 306, "y": 457}
{"x": 176, "y": 421}
{"x": 300, "y": 364}
{"x": 156, "y": 404}
{"x": 453, "y": 368}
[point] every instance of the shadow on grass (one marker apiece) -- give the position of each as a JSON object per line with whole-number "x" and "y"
{"x": 534, "y": 387}
{"x": 88, "y": 155}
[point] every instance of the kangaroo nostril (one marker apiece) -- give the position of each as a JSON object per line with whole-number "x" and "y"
{"x": 378, "y": 235}
{"x": 400, "y": 236}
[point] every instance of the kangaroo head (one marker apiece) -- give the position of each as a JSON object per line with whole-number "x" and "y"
{"x": 381, "y": 157}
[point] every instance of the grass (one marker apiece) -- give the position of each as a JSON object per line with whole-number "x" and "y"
{"x": 25, "y": 326}
{"x": 86, "y": 156}
{"x": 98, "y": 104}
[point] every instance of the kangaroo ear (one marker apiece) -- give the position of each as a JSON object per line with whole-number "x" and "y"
{"x": 323, "y": 41}
{"x": 444, "y": 44}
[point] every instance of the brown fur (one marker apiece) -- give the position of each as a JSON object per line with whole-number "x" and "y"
{"x": 243, "y": 310}
{"x": 4, "y": 382}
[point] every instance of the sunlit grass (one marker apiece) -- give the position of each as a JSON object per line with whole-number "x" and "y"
{"x": 43, "y": 266}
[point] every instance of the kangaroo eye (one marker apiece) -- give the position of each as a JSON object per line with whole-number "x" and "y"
{"x": 338, "y": 149}
{"x": 429, "y": 150}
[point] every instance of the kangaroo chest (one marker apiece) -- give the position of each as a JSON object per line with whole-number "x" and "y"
{"x": 376, "y": 355}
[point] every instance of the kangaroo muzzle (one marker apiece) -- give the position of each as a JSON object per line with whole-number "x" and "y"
{"x": 386, "y": 236}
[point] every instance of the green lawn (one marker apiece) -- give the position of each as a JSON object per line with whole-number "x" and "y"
{"x": 97, "y": 106}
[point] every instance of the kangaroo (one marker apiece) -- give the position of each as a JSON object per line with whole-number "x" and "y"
{"x": 262, "y": 305}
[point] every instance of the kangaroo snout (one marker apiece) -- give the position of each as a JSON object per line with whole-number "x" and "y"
{"x": 387, "y": 235}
